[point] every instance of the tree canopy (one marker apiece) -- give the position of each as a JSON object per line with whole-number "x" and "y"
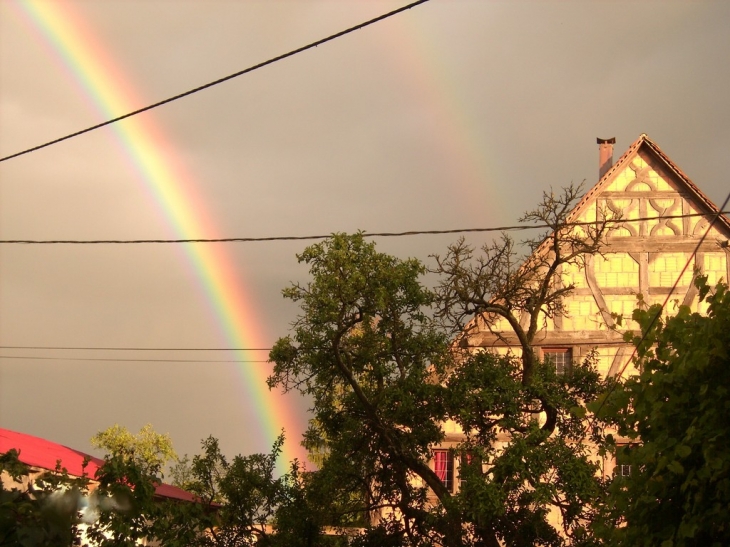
{"x": 676, "y": 417}
{"x": 385, "y": 377}
{"x": 149, "y": 449}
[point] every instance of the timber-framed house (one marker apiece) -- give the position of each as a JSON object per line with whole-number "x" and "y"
{"x": 663, "y": 218}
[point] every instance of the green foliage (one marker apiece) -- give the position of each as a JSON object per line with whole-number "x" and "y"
{"x": 181, "y": 473}
{"x": 39, "y": 510}
{"x": 365, "y": 350}
{"x": 123, "y": 508}
{"x": 240, "y": 503}
{"x": 55, "y": 509}
{"x": 384, "y": 378}
{"x": 149, "y": 449}
{"x": 519, "y": 471}
{"x": 299, "y": 520}
{"x": 678, "y": 412}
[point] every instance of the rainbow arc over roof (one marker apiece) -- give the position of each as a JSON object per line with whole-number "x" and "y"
{"x": 92, "y": 67}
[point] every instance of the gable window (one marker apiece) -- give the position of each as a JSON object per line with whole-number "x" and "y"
{"x": 443, "y": 466}
{"x": 562, "y": 358}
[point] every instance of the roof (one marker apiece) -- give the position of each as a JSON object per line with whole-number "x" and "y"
{"x": 44, "y": 454}
{"x": 712, "y": 210}
{"x": 644, "y": 139}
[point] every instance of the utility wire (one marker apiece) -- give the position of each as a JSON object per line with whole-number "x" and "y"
{"x": 102, "y": 348}
{"x": 33, "y": 358}
{"x": 220, "y": 80}
{"x": 617, "y": 378}
{"x": 80, "y": 348}
{"x": 249, "y": 239}
{"x": 319, "y": 237}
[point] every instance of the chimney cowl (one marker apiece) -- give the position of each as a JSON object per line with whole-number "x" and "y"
{"x": 605, "y": 155}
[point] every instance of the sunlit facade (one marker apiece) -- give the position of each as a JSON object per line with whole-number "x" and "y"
{"x": 665, "y": 226}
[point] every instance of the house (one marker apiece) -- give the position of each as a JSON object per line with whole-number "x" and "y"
{"x": 664, "y": 219}
{"x": 43, "y": 455}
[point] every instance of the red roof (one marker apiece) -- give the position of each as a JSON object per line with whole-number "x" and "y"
{"x": 44, "y": 454}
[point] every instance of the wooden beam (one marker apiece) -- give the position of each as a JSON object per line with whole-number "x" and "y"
{"x": 621, "y": 355}
{"x": 630, "y": 291}
{"x": 639, "y": 194}
{"x": 692, "y": 291}
{"x": 658, "y": 244}
{"x": 596, "y": 291}
{"x": 644, "y": 273}
{"x": 608, "y": 291}
{"x": 549, "y": 338}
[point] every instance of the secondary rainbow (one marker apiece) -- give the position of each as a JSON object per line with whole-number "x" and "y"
{"x": 457, "y": 124}
{"x": 88, "y": 63}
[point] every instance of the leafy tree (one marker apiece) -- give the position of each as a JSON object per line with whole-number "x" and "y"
{"x": 546, "y": 459}
{"x": 150, "y": 450}
{"x": 241, "y": 503}
{"x": 384, "y": 376}
{"x": 54, "y": 509}
{"x": 122, "y": 509}
{"x": 39, "y": 510}
{"x": 181, "y": 473}
{"x": 365, "y": 350}
{"x": 301, "y": 516}
{"x": 677, "y": 412}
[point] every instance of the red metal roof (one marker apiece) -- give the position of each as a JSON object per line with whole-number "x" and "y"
{"x": 44, "y": 454}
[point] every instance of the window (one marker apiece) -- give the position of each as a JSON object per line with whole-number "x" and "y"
{"x": 467, "y": 458}
{"x": 443, "y": 466}
{"x": 623, "y": 464}
{"x": 562, "y": 358}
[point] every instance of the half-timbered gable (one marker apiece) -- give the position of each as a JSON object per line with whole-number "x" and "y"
{"x": 663, "y": 217}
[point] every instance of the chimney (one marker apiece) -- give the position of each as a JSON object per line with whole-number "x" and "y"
{"x": 605, "y": 155}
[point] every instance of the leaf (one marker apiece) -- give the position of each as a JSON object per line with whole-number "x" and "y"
{"x": 578, "y": 411}
{"x": 676, "y": 467}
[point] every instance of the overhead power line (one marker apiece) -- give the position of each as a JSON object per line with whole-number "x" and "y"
{"x": 250, "y": 239}
{"x": 111, "y": 359}
{"x": 112, "y": 348}
{"x": 97, "y": 348}
{"x": 220, "y": 80}
{"x": 317, "y": 237}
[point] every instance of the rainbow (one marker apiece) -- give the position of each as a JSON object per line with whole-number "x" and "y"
{"x": 171, "y": 186}
{"x": 460, "y": 132}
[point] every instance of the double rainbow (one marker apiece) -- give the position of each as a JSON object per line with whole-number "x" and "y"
{"x": 90, "y": 65}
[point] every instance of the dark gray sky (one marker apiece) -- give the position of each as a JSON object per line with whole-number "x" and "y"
{"x": 454, "y": 114}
